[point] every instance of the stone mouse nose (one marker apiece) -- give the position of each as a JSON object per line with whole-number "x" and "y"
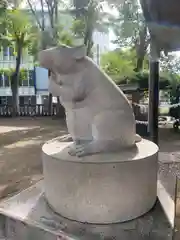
{"x": 44, "y": 59}
{"x": 40, "y": 56}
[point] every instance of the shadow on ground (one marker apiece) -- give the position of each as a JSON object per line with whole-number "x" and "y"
{"x": 20, "y": 151}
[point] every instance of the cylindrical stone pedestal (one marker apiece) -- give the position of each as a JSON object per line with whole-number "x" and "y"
{"x": 102, "y": 188}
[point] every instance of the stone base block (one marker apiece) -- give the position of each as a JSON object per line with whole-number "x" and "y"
{"x": 102, "y": 188}
{"x": 27, "y": 216}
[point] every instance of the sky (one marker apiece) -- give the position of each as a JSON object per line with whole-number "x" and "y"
{"x": 111, "y": 33}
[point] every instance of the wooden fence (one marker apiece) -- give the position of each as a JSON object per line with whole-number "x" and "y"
{"x": 32, "y": 110}
{"x": 41, "y": 110}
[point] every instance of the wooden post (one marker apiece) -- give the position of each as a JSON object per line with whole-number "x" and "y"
{"x": 153, "y": 94}
{"x": 176, "y": 234}
{"x": 50, "y": 98}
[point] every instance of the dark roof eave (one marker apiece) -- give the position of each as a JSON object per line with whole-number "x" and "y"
{"x": 166, "y": 29}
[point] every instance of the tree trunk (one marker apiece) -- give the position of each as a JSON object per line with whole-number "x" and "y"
{"x": 80, "y": 4}
{"x": 50, "y": 98}
{"x": 60, "y": 109}
{"x": 139, "y": 64}
{"x": 15, "y": 96}
{"x": 50, "y": 104}
{"x": 88, "y": 40}
{"x": 15, "y": 83}
{"x": 141, "y": 49}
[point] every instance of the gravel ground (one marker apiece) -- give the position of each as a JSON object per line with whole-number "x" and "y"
{"x": 20, "y": 151}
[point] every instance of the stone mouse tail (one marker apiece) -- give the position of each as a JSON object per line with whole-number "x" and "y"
{"x": 138, "y": 138}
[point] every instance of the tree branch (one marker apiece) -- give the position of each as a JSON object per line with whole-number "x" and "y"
{"x": 43, "y": 16}
{"x": 35, "y": 15}
{"x": 50, "y": 13}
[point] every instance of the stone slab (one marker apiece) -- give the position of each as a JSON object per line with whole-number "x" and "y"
{"x": 27, "y": 216}
{"x": 168, "y": 190}
{"x": 177, "y": 211}
{"x": 169, "y": 194}
{"x": 167, "y": 203}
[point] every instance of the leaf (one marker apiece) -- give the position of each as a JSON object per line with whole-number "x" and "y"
{"x": 128, "y": 23}
{"x": 118, "y": 64}
{"x": 91, "y": 17}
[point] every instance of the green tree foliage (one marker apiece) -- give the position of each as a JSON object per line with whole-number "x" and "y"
{"x": 142, "y": 78}
{"x": 120, "y": 64}
{"x": 79, "y": 4}
{"x": 47, "y": 20}
{"x": 89, "y": 17}
{"x": 3, "y": 6}
{"x": 49, "y": 34}
{"x": 131, "y": 30}
{"x": 170, "y": 68}
{"x": 23, "y": 74}
{"x": 66, "y": 38}
{"x": 3, "y": 9}
{"x": 19, "y": 35}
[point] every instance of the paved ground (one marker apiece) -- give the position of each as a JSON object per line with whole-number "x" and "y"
{"x": 20, "y": 150}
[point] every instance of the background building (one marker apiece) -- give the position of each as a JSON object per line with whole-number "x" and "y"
{"x": 26, "y": 89}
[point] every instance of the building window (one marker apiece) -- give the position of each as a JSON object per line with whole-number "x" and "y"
{"x": 21, "y": 100}
{"x": 23, "y": 78}
{"x": 44, "y": 99}
{"x": 6, "y": 80}
{"x": 11, "y": 51}
{"x": 25, "y": 100}
{"x": 5, "y": 51}
{"x": 3, "y": 101}
{"x": 27, "y": 78}
{"x": 25, "y": 82}
{"x": 1, "y": 80}
{"x": 31, "y": 78}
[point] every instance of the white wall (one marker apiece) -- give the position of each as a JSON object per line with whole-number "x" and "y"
{"x": 41, "y": 79}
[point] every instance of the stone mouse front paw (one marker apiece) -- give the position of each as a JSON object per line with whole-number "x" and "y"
{"x": 82, "y": 150}
{"x": 72, "y": 151}
{"x": 86, "y": 149}
{"x": 78, "y": 151}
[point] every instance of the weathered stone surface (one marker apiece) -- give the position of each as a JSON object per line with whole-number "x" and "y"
{"x": 102, "y": 188}
{"x": 28, "y": 217}
{"x": 99, "y": 116}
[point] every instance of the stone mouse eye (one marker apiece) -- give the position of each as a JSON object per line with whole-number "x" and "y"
{"x": 60, "y": 83}
{"x": 53, "y": 75}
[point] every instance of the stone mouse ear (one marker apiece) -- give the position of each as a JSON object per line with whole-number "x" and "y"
{"x": 80, "y": 52}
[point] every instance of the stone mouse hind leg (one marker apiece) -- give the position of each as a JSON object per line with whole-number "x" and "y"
{"x": 112, "y": 130}
{"x": 79, "y": 126}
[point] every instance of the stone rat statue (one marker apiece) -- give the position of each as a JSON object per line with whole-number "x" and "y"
{"x": 99, "y": 117}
